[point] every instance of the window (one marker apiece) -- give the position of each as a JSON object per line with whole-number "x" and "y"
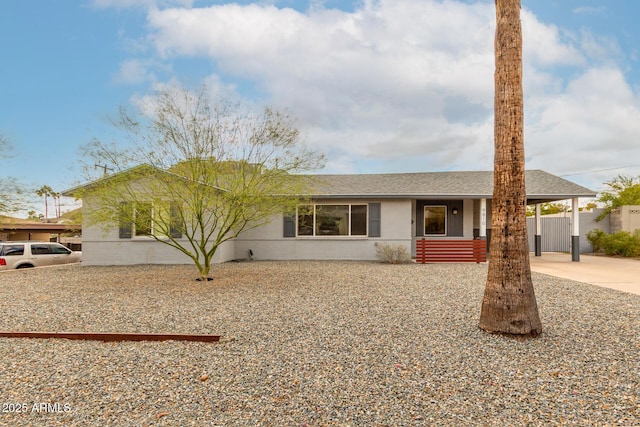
{"x": 305, "y": 220}
{"x": 11, "y": 250}
{"x": 175, "y": 221}
{"x": 435, "y": 220}
{"x": 125, "y": 220}
{"x": 332, "y": 220}
{"x": 40, "y": 249}
{"x": 142, "y": 219}
{"x": 59, "y": 250}
{"x": 359, "y": 220}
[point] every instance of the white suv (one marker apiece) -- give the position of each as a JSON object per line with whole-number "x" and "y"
{"x": 35, "y": 254}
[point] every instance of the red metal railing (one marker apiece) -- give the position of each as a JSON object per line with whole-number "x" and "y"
{"x": 440, "y": 250}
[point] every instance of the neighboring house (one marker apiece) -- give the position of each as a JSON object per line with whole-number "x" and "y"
{"x": 13, "y": 229}
{"x": 347, "y": 216}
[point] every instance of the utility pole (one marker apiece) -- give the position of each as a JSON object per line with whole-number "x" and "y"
{"x": 105, "y": 168}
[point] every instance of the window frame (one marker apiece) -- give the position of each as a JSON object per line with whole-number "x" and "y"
{"x": 129, "y": 222}
{"x": 312, "y": 209}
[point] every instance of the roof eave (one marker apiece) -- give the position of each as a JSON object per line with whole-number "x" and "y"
{"x": 545, "y": 197}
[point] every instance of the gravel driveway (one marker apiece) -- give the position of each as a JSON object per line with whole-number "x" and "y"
{"x": 312, "y": 344}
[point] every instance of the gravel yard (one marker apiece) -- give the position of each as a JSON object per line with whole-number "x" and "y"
{"x": 312, "y": 344}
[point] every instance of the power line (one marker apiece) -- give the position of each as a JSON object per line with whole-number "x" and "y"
{"x": 600, "y": 170}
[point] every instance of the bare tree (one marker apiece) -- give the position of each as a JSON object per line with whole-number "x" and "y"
{"x": 206, "y": 173}
{"x": 12, "y": 191}
{"x": 509, "y": 304}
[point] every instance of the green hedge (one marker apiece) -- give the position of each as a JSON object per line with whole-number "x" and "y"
{"x": 621, "y": 243}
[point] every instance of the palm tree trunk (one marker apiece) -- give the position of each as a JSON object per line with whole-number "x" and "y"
{"x": 509, "y": 304}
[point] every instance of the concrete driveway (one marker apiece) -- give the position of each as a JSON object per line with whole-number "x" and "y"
{"x": 615, "y": 273}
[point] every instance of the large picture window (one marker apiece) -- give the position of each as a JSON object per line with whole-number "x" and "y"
{"x": 435, "y": 220}
{"x": 332, "y": 220}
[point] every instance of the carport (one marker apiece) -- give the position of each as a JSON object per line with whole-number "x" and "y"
{"x": 31, "y": 230}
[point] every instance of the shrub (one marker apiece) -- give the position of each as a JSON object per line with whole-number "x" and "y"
{"x": 621, "y": 243}
{"x": 597, "y": 238}
{"x": 392, "y": 254}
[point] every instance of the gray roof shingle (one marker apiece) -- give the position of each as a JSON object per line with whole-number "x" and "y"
{"x": 541, "y": 186}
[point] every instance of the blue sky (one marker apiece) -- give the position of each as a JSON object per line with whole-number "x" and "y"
{"x": 378, "y": 85}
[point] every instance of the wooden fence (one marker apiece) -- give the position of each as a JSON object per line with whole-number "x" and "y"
{"x": 430, "y": 250}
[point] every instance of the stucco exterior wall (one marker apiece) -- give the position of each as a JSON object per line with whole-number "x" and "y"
{"x": 102, "y": 246}
{"x": 625, "y": 218}
{"x": 615, "y": 220}
{"x": 267, "y": 242}
{"x": 587, "y": 223}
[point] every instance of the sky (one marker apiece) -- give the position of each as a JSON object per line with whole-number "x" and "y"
{"x": 379, "y": 86}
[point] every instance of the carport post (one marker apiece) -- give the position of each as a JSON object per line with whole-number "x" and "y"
{"x": 538, "y": 235}
{"x": 575, "y": 230}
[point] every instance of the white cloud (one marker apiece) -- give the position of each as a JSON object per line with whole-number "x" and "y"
{"x": 363, "y": 82}
{"x": 544, "y": 45}
{"x": 408, "y": 84}
{"x": 134, "y": 71}
{"x": 592, "y": 125}
{"x": 123, "y": 4}
{"x": 590, "y": 10}
{"x": 599, "y": 48}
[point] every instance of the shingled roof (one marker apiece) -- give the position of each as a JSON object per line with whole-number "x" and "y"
{"x": 541, "y": 186}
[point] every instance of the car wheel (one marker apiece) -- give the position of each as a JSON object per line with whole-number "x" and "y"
{"x": 25, "y": 266}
